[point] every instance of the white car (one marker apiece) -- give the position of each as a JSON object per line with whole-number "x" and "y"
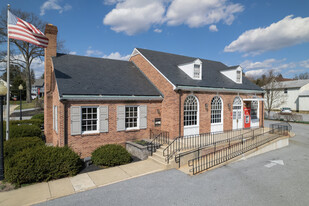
{"x": 286, "y": 110}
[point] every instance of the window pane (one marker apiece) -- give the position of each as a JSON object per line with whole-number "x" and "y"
{"x": 89, "y": 119}
{"x": 131, "y": 116}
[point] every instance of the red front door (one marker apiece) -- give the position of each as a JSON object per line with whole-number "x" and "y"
{"x": 247, "y": 117}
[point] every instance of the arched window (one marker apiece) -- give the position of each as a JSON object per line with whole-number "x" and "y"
{"x": 216, "y": 110}
{"x": 190, "y": 111}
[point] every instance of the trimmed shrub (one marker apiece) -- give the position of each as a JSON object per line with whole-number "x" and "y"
{"x": 25, "y": 130}
{"x": 38, "y": 116}
{"x": 42, "y": 164}
{"x": 36, "y": 122}
{"x": 13, "y": 146}
{"x": 111, "y": 155}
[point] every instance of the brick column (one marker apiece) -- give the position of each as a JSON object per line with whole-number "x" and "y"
{"x": 51, "y": 50}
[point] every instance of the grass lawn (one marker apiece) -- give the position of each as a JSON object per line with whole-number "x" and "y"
{"x": 25, "y": 105}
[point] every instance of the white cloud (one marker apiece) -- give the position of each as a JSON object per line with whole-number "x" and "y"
{"x": 93, "y": 52}
{"x": 213, "y": 28}
{"x": 158, "y": 30}
{"x": 305, "y": 63}
{"x": 197, "y": 13}
{"x": 135, "y": 16}
{"x": 73, "y": 52}
{"x": 258, "y": 68}
{"x": 117, "y": 55}
{"x": 286, "y": 32}
{"x": 54, "y": 5}
{"x": 111, "y": 2}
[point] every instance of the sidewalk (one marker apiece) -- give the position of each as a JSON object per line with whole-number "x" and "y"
{"x": 58, "y": 188}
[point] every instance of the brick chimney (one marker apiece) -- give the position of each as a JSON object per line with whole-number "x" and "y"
{"x": 51, "y": 51}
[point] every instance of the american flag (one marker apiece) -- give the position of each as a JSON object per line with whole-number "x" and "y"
{"x": 22, "y": 30}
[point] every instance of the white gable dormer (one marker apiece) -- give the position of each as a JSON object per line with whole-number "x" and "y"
{"x": 192, "y": 69}
{"x": 234, "y": 73}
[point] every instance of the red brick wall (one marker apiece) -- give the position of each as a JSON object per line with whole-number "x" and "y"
{"x": 170, "y": 104}
{"x": 84, "y": 144}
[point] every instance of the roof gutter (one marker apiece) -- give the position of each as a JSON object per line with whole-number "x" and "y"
{"x": 212, "y": 89}
{"x": 109, "y": 98}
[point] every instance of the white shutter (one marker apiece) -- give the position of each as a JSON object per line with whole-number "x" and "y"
{"x": 103, "y": 119}
{"x": 75, "y": 120}
{"x": 143, "y": 117}
{"x": 121, "y": 118}
{"x": 56, "y": 119}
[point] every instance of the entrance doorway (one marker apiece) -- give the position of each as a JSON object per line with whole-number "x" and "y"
{"x": 247, "y": 116}
{"x": 237, "y": 113}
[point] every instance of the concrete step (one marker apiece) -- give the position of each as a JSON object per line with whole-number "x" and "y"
{"x": 159, "y": 156}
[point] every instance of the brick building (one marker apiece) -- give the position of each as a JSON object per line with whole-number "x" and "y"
{"x": 94, "y": 101}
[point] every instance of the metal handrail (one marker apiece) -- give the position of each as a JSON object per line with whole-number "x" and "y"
{"x": 239, "y": 137}
{"x": 157, "y": 141}
{"x": 194, "y": 141}
{"x": 224, "y": 154}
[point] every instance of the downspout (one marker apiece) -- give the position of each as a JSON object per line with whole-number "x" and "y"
{"x": 65, "y": 123}
{"x": 179, "y": 91}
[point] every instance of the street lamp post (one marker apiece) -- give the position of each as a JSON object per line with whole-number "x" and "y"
{"x": 3, "y": 91}
{"x": 20, "y": 87}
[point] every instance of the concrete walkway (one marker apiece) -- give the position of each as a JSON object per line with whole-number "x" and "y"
{"x": 41, "y": 192}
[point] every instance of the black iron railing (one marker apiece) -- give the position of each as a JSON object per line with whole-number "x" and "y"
{"x": 157, "y": 141}
{"x": 195, "y": 141}
{"x": 214, "y": 156}
{"x": 216, "y": 144}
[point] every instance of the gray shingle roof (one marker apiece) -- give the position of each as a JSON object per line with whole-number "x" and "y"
{"x": 211, "y": 76}
{"x": 80, "y": 75}
{"x": 294, "y": 83}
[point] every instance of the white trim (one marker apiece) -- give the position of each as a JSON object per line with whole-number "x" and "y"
{"x": 138, "y": 118}
{"x": 135, "y": 49}
{"x": 222, "y": 109}
{"x": 81, "y": 120}
{"x": 213, "y": 89}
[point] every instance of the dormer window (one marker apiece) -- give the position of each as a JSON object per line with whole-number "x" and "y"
{"x": 193, "y": 69}
{"x": 238, "y": 76}
{"x": 197, "y": 71}
{"x": 234, "y": 73}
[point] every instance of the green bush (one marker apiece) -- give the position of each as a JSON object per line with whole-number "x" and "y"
{"x": 111, "y": 155}
{"x": 25, "y": 130}
{"x": 42, "y": 164}
{"x": 38, "y": 116}
{"x": 36, "y": 122}
{"x": 13, "y": 146}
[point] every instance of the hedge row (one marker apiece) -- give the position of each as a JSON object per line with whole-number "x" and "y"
{"x": 23, "y": 128}
{"x": 41, "y": 163}
{"x": 38, "y": 116}
{"x": 16, "y": 145}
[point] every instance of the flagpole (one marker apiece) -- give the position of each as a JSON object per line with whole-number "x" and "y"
{"x": 8, "y": 82}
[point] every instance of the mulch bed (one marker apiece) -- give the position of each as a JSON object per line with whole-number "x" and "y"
{"x": 93, "y": 167}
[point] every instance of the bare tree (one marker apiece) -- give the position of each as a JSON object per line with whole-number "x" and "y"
{"x": 23, "y": 53}
{"x": 275, "y": 96}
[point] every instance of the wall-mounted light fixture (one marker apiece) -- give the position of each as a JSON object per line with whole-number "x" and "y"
{"x": 206, "y": 107}
{"x": 229, "y": 106}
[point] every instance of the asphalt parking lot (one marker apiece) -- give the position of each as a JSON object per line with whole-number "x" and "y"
{"x": 279, "y": 177}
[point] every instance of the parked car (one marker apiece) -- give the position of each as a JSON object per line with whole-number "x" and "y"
{"x": 285, "y": 110}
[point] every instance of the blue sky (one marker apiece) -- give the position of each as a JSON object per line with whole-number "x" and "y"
{"x": 258, "y": 35}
